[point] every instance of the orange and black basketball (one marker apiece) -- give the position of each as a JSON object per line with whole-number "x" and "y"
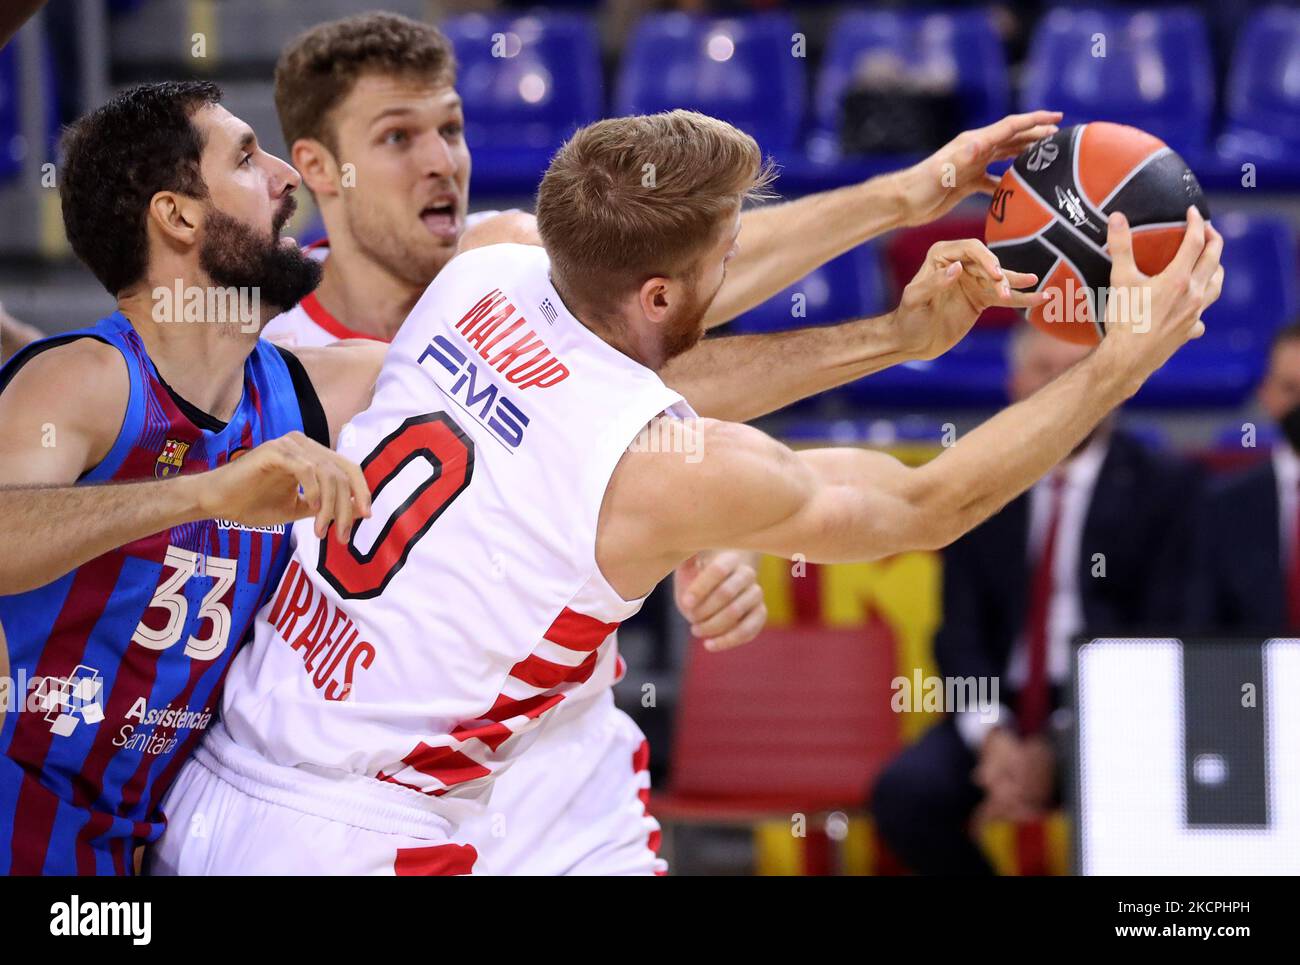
{"x": 1049, "y": 213}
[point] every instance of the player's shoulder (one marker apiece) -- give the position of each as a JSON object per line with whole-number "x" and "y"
{"x": 694, "y": 461}
{"x": 506, "y": 227}
{"x": 324, "y": 362}
{"x": 684, "y": 481}
{"x": 78, "y": 387}
{"x": 695, "y": 435}
{"x": 82, "y": 372}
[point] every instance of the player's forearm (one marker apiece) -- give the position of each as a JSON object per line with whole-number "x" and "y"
{"x": 871, "y": 505}
{"x": 50, "y": 531}
{"x": 990, "y": 466}
{"x": 781, "y": 243}
{"x": 741, "y": 377}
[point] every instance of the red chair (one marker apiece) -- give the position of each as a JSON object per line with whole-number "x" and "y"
{"x": 795, "y": 723}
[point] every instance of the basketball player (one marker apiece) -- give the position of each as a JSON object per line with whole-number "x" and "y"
{"x": 122, "y": 604}
{"x": 369, "y": 107}
{"x": 514, "y": 450}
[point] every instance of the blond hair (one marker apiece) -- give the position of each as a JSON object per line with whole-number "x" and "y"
{"x": 632, "y": 198}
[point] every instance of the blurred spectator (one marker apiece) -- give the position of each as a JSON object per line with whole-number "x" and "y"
{"x": 1247, "y": 570}
{"x": 1096, "y": 546}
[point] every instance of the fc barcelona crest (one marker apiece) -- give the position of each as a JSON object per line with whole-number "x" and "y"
{"x": 171, "y": 458}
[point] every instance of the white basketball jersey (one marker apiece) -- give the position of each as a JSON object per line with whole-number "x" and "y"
{"x": 428, "y": 651}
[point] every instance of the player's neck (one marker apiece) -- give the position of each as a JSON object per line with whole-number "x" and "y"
{"x": 640, "y": 348}
{"x": 618, "y": 332}
{"x": 364, "y": 296}
{"x": 201, "y": 359}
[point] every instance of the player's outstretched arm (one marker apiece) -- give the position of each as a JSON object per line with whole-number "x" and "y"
{"x": 731, "y": 485}
{"x": 741, "y": 377}
{"x": 60, "y": 416}
{"x": 781, "y": 243}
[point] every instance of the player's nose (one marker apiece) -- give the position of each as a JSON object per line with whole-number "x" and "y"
{"x": 440, "y": 159}
{"x": 284, "y": 177}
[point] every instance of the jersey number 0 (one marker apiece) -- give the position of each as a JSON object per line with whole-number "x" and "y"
{"x": 449, "y": 453}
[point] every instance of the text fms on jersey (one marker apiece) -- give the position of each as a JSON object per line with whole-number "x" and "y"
{"x": 525, "y": 361}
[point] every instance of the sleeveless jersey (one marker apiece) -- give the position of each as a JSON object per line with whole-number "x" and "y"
{"x": 310, "y": 323}
{"x": 116, "y": 665}
{"x": 422, "y": 657}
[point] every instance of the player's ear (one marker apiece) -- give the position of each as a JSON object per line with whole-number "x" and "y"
{"x": 655, "y": 296}
{"x": 314, "y": 161}
{"x": 177, "y": 216}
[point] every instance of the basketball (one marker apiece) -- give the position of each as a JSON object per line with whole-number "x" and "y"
{"x": 1048, "y": 216}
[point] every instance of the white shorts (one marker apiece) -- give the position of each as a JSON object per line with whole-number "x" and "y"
{"x": 574, "y": 803}
{"x": 232, "y": 813}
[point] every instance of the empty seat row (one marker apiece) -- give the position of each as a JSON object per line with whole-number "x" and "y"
{"x": 529, "y": 81}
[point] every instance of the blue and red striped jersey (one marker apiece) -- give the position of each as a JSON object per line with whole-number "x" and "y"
{"x": 116, "y": 667}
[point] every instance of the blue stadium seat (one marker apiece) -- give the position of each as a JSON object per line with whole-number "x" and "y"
{"x": 18, "y": 146}
{"x": 528, "y": 83}
{"x": 11, "y": 130}
{"x": 1262, "y": 97}
{"x": 1259, "y": 297}
{"x": 961, "y": 44}
{"x": 849, "y": 286}
{"x": 1156, "y": 73}
{"x": 742, "y": 71}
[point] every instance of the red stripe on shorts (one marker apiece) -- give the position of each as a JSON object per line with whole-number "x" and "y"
{"x": 438, "y": 859}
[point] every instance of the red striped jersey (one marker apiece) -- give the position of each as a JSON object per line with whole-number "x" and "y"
{"x": 117, "y": 666}
{"x": 423, "y": 656}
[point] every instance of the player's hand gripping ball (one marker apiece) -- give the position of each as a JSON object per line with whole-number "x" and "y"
{"x": 1048, "y": 216}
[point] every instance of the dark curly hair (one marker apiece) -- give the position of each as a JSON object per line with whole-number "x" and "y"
{"x": 319, "y": 67}
{"x": 115, "y": 159}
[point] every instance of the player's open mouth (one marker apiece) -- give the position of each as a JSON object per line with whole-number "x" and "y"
{"x": 440, "y": 219}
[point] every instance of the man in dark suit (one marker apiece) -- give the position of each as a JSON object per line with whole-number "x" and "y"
{"x": 1247, "y": 573}
{"x": 1097, "y": 546}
